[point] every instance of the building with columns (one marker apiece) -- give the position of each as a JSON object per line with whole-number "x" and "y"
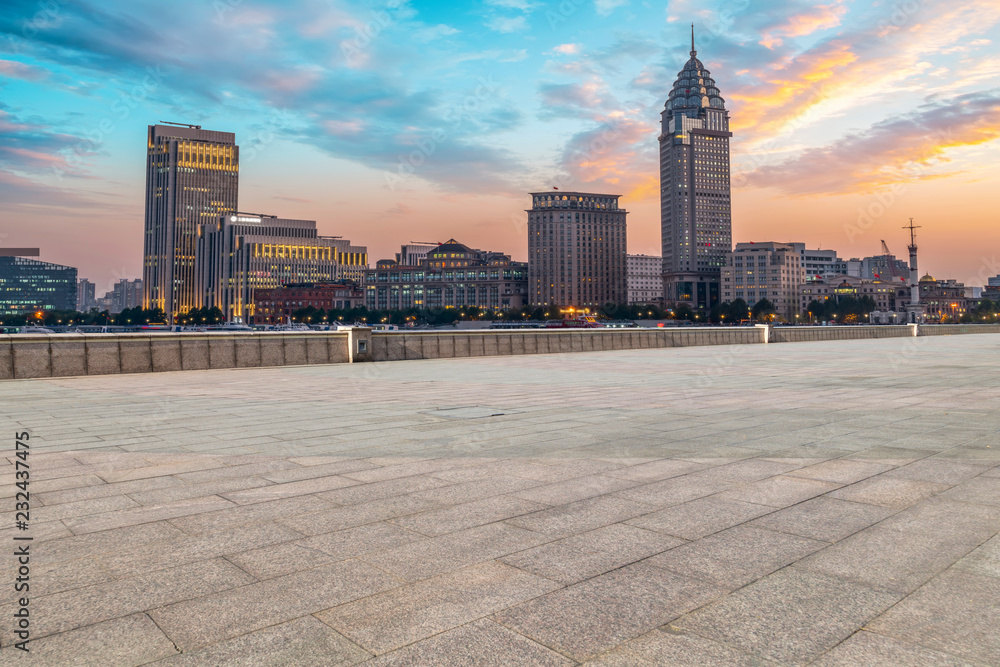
{"x": 695, "y": 202}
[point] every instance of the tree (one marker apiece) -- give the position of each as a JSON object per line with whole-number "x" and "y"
{"x": 739, "y": 311}
{"x": 763, "y": 310}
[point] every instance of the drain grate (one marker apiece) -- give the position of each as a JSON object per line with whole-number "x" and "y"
{"x": 468, "y": 412}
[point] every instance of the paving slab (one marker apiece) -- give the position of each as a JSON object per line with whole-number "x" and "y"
{"x": 852, "y": 521}
{"x": 875, "y": 650}
{"x": 304, "y": 642}
{"x": 957, "y": 613}
{"x": 395, "y": 618}
{"x": 483, "y": 643}
{"x": 791, "y": 617}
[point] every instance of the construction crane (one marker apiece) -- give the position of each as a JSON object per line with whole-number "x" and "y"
{"x": 891, "y": 261}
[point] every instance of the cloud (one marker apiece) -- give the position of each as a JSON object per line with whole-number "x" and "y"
{"x": 605, "y": 7}
{"x": 813, "y": 19}
{"x": 567, "y": 49}
{"x": 522, "y": 5}
{"x": 910, "y": 148}
{"x": 17, "y": 70}
{"x": 575, "y": 100}
{"x": 505, "y": 24}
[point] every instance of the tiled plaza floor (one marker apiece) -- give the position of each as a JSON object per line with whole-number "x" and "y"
{"x": 816, "y": 503}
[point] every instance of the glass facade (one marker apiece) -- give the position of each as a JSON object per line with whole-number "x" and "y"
{"x": 29, "y": 285}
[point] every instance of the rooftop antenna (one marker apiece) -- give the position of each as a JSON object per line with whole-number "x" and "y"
{"x": 193, "y": 127}
{"x": 913, "y": 233}
{"x": 693, "y": 52}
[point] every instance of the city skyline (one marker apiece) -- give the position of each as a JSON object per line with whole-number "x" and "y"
{"x": 510, "y": 97}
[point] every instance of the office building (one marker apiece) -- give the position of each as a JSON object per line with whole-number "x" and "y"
{"x": 126, "y": 294}
{"x": 276, "y": 306}
{"x": 644, "y": 279}
{"x": 576, "y": 249}
{"x": 29, "y": 285}
{"x": 192, "y": 178}
{"x": 86, "y": 297}
{"x": 238, "y": 254}
{"x": 695, "y": 201}
{"x": 452, "y": 275}
{"x": 772, "y": 271}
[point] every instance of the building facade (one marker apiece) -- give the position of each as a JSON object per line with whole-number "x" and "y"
{"x": 644, "y": 278}
{"x": 944, "y": 300}
{"x": 29, "y": 285}
{"x": 192, "y": 178}
{"x": 86, "y": 295}
{"x": 695, "y": 201}
{"x": 452, "y": 275}
{"x": 885, "y": 267}
{"x": 576, "y": 249}
{"x": 888, "y": 296}
{"x": 820, "y": 264}
{"x": 772, "y": 271}
{"x": 126, "y": 294}
{"x": 238, "y": 254}
{"x": 411, "y": 254}
{"x": 276, "y": 306}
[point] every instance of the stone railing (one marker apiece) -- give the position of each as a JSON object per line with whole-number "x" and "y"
{"x": 62, "y": 355}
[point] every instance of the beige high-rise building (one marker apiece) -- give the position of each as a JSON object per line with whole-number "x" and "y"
{"x": 769, "y": 270}
{"x": 576, "y": 249}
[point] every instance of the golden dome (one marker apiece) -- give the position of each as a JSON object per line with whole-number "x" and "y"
{"x": 928, "y": 278}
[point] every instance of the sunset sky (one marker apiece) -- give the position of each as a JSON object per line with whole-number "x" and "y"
{"x": 389, "y": 122}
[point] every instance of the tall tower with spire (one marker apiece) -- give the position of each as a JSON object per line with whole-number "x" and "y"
{"x": 695, "y": 206}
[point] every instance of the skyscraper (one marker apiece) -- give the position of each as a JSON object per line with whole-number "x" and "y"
{"x": 695, "y": 209}
{"x": 192, "y": 177}
{"x": 576, "y": 249}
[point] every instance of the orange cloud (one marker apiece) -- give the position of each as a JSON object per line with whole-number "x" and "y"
{"x": 820, "y": 17}
{"x": 910, "y": 148}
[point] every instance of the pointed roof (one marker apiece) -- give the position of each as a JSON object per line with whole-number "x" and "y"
{"x": 694, "y": 87}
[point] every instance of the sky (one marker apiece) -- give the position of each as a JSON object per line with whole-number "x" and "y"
{"x": 391, "y": 122}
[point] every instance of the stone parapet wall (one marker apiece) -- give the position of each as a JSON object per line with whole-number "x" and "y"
{"x": 64, "y": 355}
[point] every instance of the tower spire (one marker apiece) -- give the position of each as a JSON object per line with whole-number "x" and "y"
{"x": 693, "y": 52}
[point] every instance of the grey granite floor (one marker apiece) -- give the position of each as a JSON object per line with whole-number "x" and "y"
{"x": 818, "y": 503}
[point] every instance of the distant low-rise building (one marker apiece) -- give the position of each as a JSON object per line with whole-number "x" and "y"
{"x": 888, "y": 296}
{"x": 944, "y": 300}
{"x": 29, "y": 285}
{"x": 276, "y": 305}
{"x": 992, "y": 289}
{"x": 452, "y": 275}
{"x": 644, "y": 277}
{"x": 767, "y": 270}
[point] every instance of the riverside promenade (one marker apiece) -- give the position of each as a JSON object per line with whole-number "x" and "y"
{"x": 828, "y": 503}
